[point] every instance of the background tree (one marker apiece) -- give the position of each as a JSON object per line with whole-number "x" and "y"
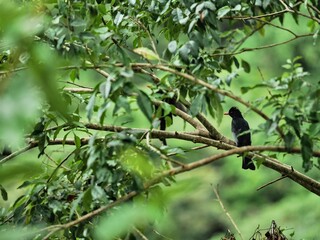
{"x": 88, "y": 88}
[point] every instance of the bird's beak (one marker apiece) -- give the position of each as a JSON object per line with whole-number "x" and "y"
{"x": 226, "y": 113}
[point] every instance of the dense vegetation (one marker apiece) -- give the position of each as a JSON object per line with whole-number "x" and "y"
{"x": 112, "y": 126}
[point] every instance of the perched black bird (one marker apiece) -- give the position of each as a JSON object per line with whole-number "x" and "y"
{"x": 241, "y": 133}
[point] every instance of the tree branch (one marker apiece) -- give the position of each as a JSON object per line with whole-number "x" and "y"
{"x": 209, "y": 86}
{"x": 55, "y": 228}
{"x": 310, "y": 184}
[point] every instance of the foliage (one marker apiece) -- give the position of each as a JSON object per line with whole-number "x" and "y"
{"x": 81, "y": 71}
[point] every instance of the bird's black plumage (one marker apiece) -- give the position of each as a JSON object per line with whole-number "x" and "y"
{"x": 241, "y": 132}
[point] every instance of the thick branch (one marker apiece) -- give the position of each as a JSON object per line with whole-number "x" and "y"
{"x": 284, "y": 169}
{"x": 55, "y": 228}
{"x": 187, "y": 118}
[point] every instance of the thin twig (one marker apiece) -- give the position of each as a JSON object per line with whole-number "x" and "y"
{"x": 190, "y": 150}
{"x": 226, "y": 212}
{"x": 143, "y": 237}
{"x": 55, "y": 228}
{"x": 262, "y": 47}
{"x": 269, "y": 183}
{"x": 149, "y": 35}
{"x": 60, "y": 164}
{"x": 16, "y": 153}
{"x": 161, "y": 235}
{"x": 78, "y": 90}
{"x": 286, "y": 6}
{"x": 50, "y": 158}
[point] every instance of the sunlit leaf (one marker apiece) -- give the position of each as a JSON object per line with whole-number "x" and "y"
{"x": 172, "y": 46}
{"x": 146, "y": 53}
{"x": 118, "y": 18}
{"x": 223, "y": 11}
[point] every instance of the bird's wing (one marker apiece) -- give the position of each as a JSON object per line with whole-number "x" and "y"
{"x": 241, "y": 131}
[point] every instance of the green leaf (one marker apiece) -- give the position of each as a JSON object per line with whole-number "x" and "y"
{"x": 266, "y": 3}
{"x": 196, "y": 105}
{"x": 90, "y": 106}
{"x": 118, "y": 18}
{"x": 4, "y": 193}
{"x": 180, "y": 17}
{"x": 306, "y": 151}
{"x": 172, "y": 46}
{"x": 245, "y": 65}
{"x": 145, "y": 105}
{"x": 209, "y": 5}
{"x": 223, "y": 11}
{"x": 98, "y": 193}
{"x": 87, "y": 199}
{"x": 105, "y": 88}
{"x": 77, "y": 141}
{"x": 167, "y": 108}
{"x": 246, "y": 89}
{"x": 75, "y": 204}
{"x": 74, "y": 74}
{"x": 289, "y": 139}
{"x": 216, "y": 105}
{"x": 146, "y": 53}
{"x": 132, "y": 2}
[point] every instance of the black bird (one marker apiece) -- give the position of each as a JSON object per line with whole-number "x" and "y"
{"x": 241, "y": 133}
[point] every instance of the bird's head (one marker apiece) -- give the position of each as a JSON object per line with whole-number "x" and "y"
{"x": 234, "y": 112}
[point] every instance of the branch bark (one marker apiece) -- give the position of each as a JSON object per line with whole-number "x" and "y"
{"x": 305, "y": 181}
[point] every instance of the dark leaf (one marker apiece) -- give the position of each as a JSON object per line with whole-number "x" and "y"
{"x": 145, "y": 105}
{"x": 236, "y": 62}
{"x": 306, "y": 151}
{"x": 87, "y": 199}
{"x": 245, "y": 65}
{"x": 4, "y": 193}
{"x": 289, "y": 140}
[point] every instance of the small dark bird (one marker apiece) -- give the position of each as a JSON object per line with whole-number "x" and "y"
{"x": 241, "y": 133}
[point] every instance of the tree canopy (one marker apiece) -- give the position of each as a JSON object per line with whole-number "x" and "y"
{"x": 110, "y": 100}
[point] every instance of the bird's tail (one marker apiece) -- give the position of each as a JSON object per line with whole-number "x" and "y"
{"x": 247, "y": 163}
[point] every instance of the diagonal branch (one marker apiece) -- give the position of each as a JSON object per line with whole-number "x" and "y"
{"x": 313, "y": 185}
